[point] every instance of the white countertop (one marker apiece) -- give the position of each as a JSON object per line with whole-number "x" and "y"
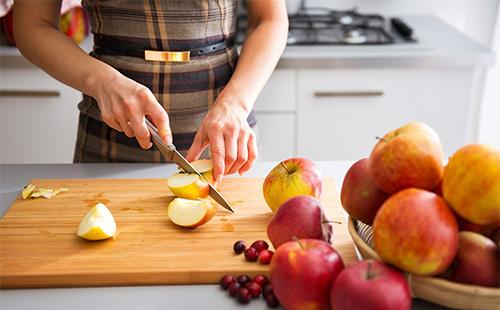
{"x": 176, "y": 297}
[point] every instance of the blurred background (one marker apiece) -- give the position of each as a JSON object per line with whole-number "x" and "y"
{"x": 352, "y": 70}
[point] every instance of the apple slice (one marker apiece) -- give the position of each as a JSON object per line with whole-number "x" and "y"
{"x": 27, "y": 191}
{"x": 189, "y": 186}
{"x": 190, "y": 213}
{"x": 97, "y": 224}
{"x": 205, "y": 167}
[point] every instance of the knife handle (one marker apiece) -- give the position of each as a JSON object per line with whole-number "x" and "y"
{"x": 156, "y": 136}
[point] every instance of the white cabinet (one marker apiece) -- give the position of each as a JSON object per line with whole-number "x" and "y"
{"x": 38, "y": 120}
{"x": 340, "y": 112}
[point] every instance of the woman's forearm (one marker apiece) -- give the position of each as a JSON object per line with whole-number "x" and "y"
{"x": 259, "y": 55}
{"x": 44, "y": 45}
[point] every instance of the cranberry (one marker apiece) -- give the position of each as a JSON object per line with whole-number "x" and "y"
{"x": 243, "y": 279}
{"x": 260, "y": 280}
{"x": 233, "y": 288}
{"x": 226, "y": 280}
{"x": 254, "y": 289}
{"x": 260, "y": 245}
{"x": 268, "y": 290}
{"x": 243, "y": 296}
{"x": 239, "y": 246}
{"x": 272, "y": 301}
{"x": 265, "y": 257}
{"x": 251, "y": 254}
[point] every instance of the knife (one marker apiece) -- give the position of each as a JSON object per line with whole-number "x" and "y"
{"x": 170, "y": 152}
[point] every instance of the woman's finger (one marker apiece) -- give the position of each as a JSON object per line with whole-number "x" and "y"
{"x": 141, "y": 132}
{"x": 252, "y": 154}
{"x": 231, "y": 149}
{"x": 242, "y": 155}
{"x": 199, "y": 145}
{"x": 124, "y": 124}
{"x": 160, "y": 119}
{"x": 216, "y": 140}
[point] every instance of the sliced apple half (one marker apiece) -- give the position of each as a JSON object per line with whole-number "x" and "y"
{"x": 97, "y": 224}
{"x": 189, "y": 186}
{"x": 190, "y": 213}
{"x": 205, "y": 167}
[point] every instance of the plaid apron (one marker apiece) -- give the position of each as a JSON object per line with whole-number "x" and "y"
{"x": 185, "y": 90}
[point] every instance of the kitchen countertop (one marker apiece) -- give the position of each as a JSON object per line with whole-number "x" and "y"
{"x": 14, "y": 177}
{"x": 439, "y": 46}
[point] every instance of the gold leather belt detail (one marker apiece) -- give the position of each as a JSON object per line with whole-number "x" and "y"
{"x": 167, "y": 56}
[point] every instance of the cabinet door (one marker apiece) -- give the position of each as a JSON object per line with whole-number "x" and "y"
{"x": 279, "y": 94}
{"x": 276, "y": 136}
{"x": 38, "y": 118}
{"x": 340, "y": 112}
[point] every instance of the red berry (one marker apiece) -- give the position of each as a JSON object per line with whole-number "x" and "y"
{"x": 226, "y": 280}
{"x": 254, "y": 289}
{"x": 243, "y": 279}
{"x": 251, "y": 254}
{"x": 260, "y": 245}
{"x": 243, "y": 296}
{"x": 239, "y": 246}
{"x": 272, "y": 301}
{"x": 265, "y": 257}
{"x": 268, "y": 290}
{"x": 260, "y": 280}
{"x": 233, "y": 288}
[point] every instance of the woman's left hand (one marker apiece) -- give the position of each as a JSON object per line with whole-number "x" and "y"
{"x": 233, "y": 145}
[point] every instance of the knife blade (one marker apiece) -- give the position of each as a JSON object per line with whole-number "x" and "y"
{"x": 170, "y": 152}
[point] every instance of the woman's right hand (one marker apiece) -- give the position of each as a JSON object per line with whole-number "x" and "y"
{"x": 125, "y": 103}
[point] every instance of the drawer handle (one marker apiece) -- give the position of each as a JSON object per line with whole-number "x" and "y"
{"x": 29, "y": 93}
{"x": 360, "y": 93}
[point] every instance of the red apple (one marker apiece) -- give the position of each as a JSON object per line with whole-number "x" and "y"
{"x": 415, "y": 231}
{"x": 299, "y": 217}
{"x": 360, "y": 196}
{"x": 410, "y": 156}
{"x": 495, "y": 236}
{"x": 471, "y": 183}
{"x": 370, "y": 284}
{"x": 302, "y": 273}
{"x": 476, "y": 261}
{"x": 290, "y": 178}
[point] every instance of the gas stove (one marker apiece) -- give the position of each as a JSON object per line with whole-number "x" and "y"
{"x": 321, "y": 26}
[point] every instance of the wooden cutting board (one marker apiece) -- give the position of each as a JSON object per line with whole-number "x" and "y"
{"x": 39, "y": 246}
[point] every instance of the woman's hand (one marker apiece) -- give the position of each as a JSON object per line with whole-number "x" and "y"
{"x": 233, "y": 145}
{"x": 124, "y": 103}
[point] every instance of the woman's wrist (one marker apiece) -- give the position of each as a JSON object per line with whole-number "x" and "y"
{"x": 99, "y": 79}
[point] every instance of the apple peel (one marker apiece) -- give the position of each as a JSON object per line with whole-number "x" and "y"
{"x": 30, "y": 191}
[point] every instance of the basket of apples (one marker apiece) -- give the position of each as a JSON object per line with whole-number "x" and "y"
{"x": 440, "y": 224}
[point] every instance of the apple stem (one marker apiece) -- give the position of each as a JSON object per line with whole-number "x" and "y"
{"x": 336, "y": 222}
{"x": 298, "y": 241}
{"x": 382, "y": 139}
{"x": 370, "y": 275}
{"x": 288, "y": 171}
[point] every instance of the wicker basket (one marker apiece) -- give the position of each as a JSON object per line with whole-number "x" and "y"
{"x": 436, "y": 290}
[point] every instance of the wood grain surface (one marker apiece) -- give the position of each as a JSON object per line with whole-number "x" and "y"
{"x": 39, "y": 246}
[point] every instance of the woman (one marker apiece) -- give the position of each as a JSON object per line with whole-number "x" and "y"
{"x": 139, "y": 68}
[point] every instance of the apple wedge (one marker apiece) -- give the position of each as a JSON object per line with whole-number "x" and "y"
{"x": 205, "y": 167}
{"x": 97, "y": 224}
{"x": 190, "y": 213}
{"x": 187, "y": 185}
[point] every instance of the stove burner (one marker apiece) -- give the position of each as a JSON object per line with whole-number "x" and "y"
{"x": 322, "y": 26}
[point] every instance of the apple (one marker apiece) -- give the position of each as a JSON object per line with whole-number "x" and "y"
{"x": 465, "y": 225}
{"x": 188, "y": 185}
{"x": 205, "y": 167}
{"x": 302, "y": 273}
{"x": 495, "y": 237}
{"x": 299, "y": 217}
{"x": 360, "y": 196}
{"x": 471, "y": 183}
{"x": 97, "y": 224}
{"x": 416, "y": 231}
{"x": 292, "y": 177}
{"x": 190, "y": 213}
{"x": 370, "y": 284}
{"x": 476, "y": 261}
{"x": 410, "y": 156}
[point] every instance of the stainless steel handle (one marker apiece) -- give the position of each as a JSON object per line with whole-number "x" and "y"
{"x": 349, "y": 93}
{"x": 29, "y": 93}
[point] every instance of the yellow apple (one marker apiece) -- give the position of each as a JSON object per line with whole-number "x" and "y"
{"x": 187, "y": 185}
{"x": 97, "y": 224}
{"x": 471, "y": 183}
{"x": 190, "y": 213}
{"x": 290, "y": 178}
